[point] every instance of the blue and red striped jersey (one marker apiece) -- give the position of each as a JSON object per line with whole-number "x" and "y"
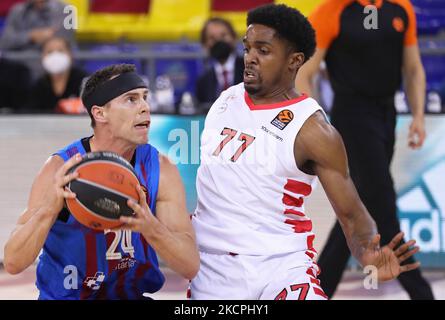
{"x": 80, "y": 263}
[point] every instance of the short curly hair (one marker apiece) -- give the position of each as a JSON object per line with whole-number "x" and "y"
{"x": 289, "y": 24}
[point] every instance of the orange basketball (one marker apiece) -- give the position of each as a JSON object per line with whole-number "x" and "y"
{"x": 105, "y": 182}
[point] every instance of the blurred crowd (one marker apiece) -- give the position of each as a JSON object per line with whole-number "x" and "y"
{"x": 52, "y": 84}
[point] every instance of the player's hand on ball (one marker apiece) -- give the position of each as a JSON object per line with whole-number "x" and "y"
{"x": 143, "y": 220}
{"x": 387, "y": 259}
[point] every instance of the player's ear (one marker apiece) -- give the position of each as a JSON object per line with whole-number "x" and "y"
{"x": 296, "y": 60}
{"x": 99, "y": 114}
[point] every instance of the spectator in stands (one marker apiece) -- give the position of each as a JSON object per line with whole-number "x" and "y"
{"x": 218, "y": 38}
{"x": 14, "y": 85}
{"x": 58, "y": 90}
{"x": 31, "y": 23}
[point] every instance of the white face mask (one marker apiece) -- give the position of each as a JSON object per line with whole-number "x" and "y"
{"x": 56, "y": 62}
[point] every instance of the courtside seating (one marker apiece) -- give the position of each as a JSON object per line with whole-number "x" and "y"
{"x": 236, "y": 11}
{"x": 173, "y": 20}
{"x": 162, "y": 20}
{"x": 165, "y": 20}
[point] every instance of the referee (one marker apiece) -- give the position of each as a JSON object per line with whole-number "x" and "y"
{"x": 369, "y": 48}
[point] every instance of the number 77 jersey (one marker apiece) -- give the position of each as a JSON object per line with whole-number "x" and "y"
{"x": 250, "y": 191}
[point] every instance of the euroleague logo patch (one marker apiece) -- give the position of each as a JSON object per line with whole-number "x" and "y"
{"x": 283, "y": 119}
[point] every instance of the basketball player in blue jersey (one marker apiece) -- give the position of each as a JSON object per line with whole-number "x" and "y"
{"x": 79, "y": 263}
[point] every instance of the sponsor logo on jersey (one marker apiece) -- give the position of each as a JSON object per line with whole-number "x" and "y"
{"x": 125, "y": 263}
{"x": 95, "y": 282}
{"x": 273, "y": 134}
{"x": 283, "y": 119}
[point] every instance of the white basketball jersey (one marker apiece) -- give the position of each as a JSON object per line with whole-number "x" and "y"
{"x": 250, "y": 191}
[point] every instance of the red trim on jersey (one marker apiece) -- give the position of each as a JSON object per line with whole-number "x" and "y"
{"x": 310, "y": 254}
{"x": 295, "y": 212}
{"x": 292, "y": 201}
{"x": 298, "y": 187}
{"x": 311, "y": 272}
{"x": 310, "y": 242}
{"x": 300, "y": 226}
{"x": 320, "y": 292}
{"x": 315, "y": 281}
{"x": 91, "y": 263}
{"x": 276, "y": 105}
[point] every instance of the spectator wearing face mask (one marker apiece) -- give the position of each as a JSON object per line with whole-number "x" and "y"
{"x": 58, "y": 90}
{"x": 225, "y": 69}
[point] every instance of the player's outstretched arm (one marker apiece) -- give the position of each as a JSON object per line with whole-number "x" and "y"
{"x": 320, "y": 145}
{"x": 170, "y": 233}
{"x": 45, "y": 202}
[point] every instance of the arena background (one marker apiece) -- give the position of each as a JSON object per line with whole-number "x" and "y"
{"x": 161, "y": 38}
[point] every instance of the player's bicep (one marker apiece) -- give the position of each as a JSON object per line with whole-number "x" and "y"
{"x": 171, "y": 207}
{"x": 330, "y": 164}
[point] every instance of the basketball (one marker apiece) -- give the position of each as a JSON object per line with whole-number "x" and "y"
{"x": 105, "y": 182}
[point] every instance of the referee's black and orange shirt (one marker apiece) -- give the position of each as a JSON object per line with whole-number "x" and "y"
{"x": 361, "y": 60}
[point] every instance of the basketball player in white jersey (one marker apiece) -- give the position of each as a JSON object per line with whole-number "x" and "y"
{"x": 262, "y": 148}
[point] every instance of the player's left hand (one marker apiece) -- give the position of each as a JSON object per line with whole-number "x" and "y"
{"x": 388, "y": 259}
{"x": 143, "y": 220}
{"x": 417, "y": 133}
